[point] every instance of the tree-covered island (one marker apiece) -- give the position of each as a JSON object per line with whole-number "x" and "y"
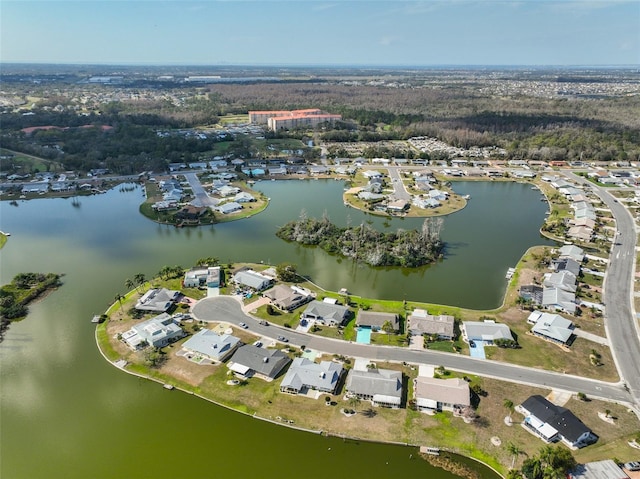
{"x": 24, "y": 288}
{"x": 406, "y": 248}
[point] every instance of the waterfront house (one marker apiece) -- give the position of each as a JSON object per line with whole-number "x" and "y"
{"x": 572, "y": 251}
{"x": 157, "y": 332}
{"x": 375, "y": 320}
{"x": 196, "y": 277}
{"x": 566, "y": 264}
{"x": 564, "y": 280}
{"x": 432, "y": 394}
{"x": 606, "y": 469}
{"x": 211, "y": 345}
{"x": 383, "y": 387}
{"x": 559, "y": 300}
{"x": 554, "y": 423}
{"x": 244, "y": 197}
{"x": 230, "y": 207}
{"x": 531, "y": 292}
{"x": 421, "y": 323}
{"x": 252, "y": 279}
{"x": 158, "y": 300}
{"x": 552, "y": 327}
{"x": 326, "y": 313}
{"x": 249, "y": 361}
{"x": 304, "y": 375}
{"x": 288, "y": 298}
{"x": 487, "y": 331}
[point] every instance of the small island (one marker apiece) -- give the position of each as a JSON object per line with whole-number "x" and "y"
{"x": 23, "y": 289}
{"x": 406, "y": 248}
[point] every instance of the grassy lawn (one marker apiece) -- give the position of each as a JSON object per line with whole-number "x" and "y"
{"x": 3, "y": 240}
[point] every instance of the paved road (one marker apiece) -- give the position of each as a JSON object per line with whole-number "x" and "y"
{"x": 201, "y": 196}
{"x": 225, "y": 308}
{"x": 399, "y": 190}
{"x": 621, "y": 326}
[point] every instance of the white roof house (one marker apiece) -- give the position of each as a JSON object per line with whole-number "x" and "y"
{"x": 230, "y": 207}
{"x": 252, "y": 279}
{"x": 563, "y": 279}
{"x": 551, "y": 326}
{"x": 157, "y": 332}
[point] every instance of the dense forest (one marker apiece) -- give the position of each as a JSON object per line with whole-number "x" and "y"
{"x": 406, "y": 248}
{"x": 461, "y": 109}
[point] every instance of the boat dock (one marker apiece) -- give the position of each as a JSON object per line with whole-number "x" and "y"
{"x": 510, "y": 273}
{"x": 433, "y": 451}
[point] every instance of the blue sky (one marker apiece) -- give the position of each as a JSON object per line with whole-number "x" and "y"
{"x": 304, "y": 32}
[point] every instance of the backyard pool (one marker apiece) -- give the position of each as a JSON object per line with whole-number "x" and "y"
{"x": 363, "y": 336}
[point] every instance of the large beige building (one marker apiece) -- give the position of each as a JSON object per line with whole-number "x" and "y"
{"x": 285, "y": 119}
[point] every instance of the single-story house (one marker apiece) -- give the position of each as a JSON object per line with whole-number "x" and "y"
{"x": 432, "y": 394}
{"x": 190, "y": 212}
{"x": 288, "y": 298}
{"x": 559, "y": 300}
{"x": 326, "y": 313}
{"x": 563, "y": 279}
{"x": 250, "y": 360}
{"x": 304, "y": 375}
{"x": 244, "y": 197}
{"x": 487, "y": 331}
{"x": 383, "y": 387}
{"x": 252, "y": 279}
{"x": 580, "y": 233}
{"x": 157, "y": 332}
{"x": 196, "y": 277}
{"x": 213, "y": 346}
{"x": 375, "y": 320}
{"x": 398, "y": 205}
{"x": 420, "y": 323}
{"x": 566, "y": 264}
{"x": 572, "y": 251}
{"x": 552, "y": 423}
{"x": 606, "y": 469}
{"x": 551, "y": 326}
{"x": 158, "y": 300}
{"x": 230, "y": 207}
{"x": 228, "y": 190}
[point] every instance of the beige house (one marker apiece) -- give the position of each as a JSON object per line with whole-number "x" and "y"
{"x": 420, "y": 323}
{"x": 433, "y": 394}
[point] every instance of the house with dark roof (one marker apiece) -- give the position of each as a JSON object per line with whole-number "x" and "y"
{"x": 375, "y": 320}
{"x": 554, "y": 423}
{"x": 328, "y": 314}
{"x": 288, "y": 298}
{"x": 250, "y": 360}
{"x": 383, "y": 387}
{"x": 305, "y": 375}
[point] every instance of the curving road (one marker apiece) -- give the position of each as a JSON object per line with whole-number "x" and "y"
{"x": 620, "y": 323}
{"x": 229, "y": 309}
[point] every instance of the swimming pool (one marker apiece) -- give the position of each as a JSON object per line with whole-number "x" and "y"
{"x": 363, "y": 335}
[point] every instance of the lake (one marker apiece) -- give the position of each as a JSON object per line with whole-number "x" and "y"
{"x": 65, "y": 412}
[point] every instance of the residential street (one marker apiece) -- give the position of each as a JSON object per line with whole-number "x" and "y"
{"x": 225, "y": 308}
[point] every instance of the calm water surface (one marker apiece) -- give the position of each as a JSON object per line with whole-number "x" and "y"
{"x": 66, "y": 413}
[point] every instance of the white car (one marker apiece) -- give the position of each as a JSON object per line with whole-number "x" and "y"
{"x": 243, "y": 325}
{"x": 632, "y": 466}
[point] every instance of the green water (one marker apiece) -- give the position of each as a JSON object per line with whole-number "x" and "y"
{"x": 66, "y": 413}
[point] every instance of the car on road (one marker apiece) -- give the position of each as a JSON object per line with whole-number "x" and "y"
{"x": 283, "y": 339}
{"x": 243, "y": 325}
{"x": 632, "y": 466}
{"x": 264, "y": 323}
{"x": 258, "y": 344}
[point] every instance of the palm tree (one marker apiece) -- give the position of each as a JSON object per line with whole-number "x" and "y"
{"x": 129, "y": 284}
{"x": 164, "y": 272}
{"x": 515, "y": 451}
{"x": 354, "y": 401}
{"x": 140, "y": 279}
{"x": 508, "y": 405}
{"x": 118, "y": 297}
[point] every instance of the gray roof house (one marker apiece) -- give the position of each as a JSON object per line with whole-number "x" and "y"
{"x": 304, "y": 375}
{"x": 157, "y": 332}
{"x": 230, "y": 207}
{"x": 606, "y": 469}
{"x": 487, "y": 331}
{"x": 551, "y": 326}
{"x": 432, "y": 394}
{"x": 383, "y": 387}
{"x": 559, "y": 300}
{"x": 288, "y": 298}
{"x": 566, "y": 264}
{"x": 420, "y": 322}
{"x": 213, "y": 346}
{"x": 564, "y": 280}
{"x": 552, "y": 423}
{"x": 573, "y": 252}
{"x": 250, "y": 360}
{"x": 252, "y": 279}
{"x": 376, "y": 320}
{"x": 325, "y": 313}
{"x": 158, "y": 300}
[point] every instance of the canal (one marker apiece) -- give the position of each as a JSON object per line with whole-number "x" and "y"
{"x": 65, "y": 412}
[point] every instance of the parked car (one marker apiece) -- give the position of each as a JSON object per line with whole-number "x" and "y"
{"x": 472, "y": 344}
{"x": 264, "y": 323}
{"x": 243, "y": 325}
{"x": 283, "y": 339}
{"x": 632, "y": 466}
